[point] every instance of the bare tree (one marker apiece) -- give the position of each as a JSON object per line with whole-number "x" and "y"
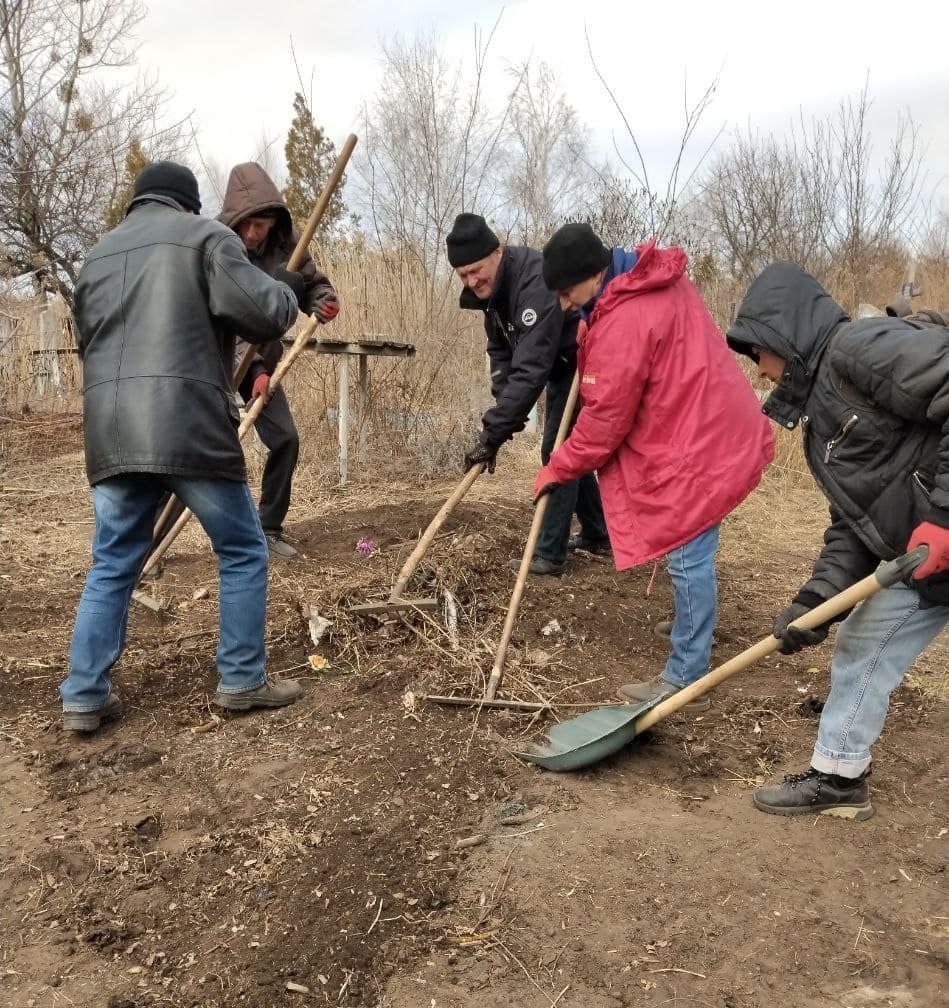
{"x": 67, "y": 128}
{"x": 547, "y": 171}
{"x": 817, "y": 196}
{"x": 430, "y": 149}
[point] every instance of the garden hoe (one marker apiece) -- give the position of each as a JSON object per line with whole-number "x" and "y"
{"x": 571, "y": 745}
{"x": 286, "y": 361}
{"x": 497, "y": 670}
{"x": 396, "y": 603}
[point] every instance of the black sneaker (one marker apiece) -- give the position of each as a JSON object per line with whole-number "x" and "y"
{"x": 598, "y": 547}
{"x": 89, "y": 721}
{"x": 541, "y": 565}
{"x": 815, "y": 792}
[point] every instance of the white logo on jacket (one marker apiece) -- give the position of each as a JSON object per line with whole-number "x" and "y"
{"x": 529, "y": 316}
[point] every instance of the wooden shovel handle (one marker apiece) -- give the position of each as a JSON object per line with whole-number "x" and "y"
{"x": 540, "y": 509}
{"x": 887, "y": 575}
{"x": 408, "y": 568}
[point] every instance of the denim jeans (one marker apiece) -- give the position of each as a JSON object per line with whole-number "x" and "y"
{"x": 875, "y": 646}
{"x": 695, "y": 587}
{"x": 581, "y": 496}
{"x": 125, "y": 513}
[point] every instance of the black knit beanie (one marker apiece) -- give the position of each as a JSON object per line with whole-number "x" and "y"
{"x": 165, "y": 178}
{"x": 573, "y": 254}
{"x": 470, "y": 240}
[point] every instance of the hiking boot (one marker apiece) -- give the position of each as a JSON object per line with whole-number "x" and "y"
{"x": 815, "y": 792}
{"x": 273, "y": 693}
{"x": 279, "y": 545}
{"x": 89, "y": 721}
{"x": 541, "y": 565}
{"x": 598, "y": 547}
{"x": 659, "y": 689}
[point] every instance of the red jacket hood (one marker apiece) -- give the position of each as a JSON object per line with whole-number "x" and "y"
{"x": 655, "y": 268}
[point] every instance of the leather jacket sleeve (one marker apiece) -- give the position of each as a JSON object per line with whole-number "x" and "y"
{"x": 247, "y": 301}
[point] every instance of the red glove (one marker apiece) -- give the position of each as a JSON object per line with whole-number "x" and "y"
{"x": 261, "y": 388}
{"x": 937, "y": 539}
{"x": 545, "y": 482}
{"x": 326, "y": 309}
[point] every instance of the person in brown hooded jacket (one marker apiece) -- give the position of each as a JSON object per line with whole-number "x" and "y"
{"x": 256, "y": 210}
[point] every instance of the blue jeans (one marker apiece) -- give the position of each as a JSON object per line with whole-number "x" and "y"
{"x": 581, "y": 495}
{"x": 125, "y": 512}
{"x": 875, "y": 646}
{"x": 694, "y": 582}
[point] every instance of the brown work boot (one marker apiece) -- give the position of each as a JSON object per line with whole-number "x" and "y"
{"x": 273, "y": 693}
{"x": 658, "y": 689}
{"x": 89, "y": 721}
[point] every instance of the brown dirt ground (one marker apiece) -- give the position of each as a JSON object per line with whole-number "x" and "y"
{"x": 316, "y": 846}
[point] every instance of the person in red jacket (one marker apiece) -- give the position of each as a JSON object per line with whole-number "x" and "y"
{"x": 668, "y": 422}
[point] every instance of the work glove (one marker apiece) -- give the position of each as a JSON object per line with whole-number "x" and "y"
{"x": 326, "y": 308}
{"x": 479, "y": 453}
{"x": 794, "y": 639}
{"x": 545, "y": 482}
{"x": 937, "y": 539}
{"x": 293, "y": 280}
{"x": 261, "y": 388}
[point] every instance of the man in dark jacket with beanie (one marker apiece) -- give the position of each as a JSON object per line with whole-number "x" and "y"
{"x": 872, "y": 398}
{"x": 156, "y": 303}
{"x": 532, "y": 344}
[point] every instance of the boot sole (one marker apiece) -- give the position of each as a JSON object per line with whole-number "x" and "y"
{"x": 233, "y": 702}
{"x": 89, "y": 721}
{"x": 855, "y": 813}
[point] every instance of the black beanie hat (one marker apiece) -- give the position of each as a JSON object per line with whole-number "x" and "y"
{"x": 165, "y": 178}
{"x": 574, "y": 253}
{"x": 470, "y": 240}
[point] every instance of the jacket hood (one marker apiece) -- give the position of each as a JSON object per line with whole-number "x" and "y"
{"x": 787, "y": 312}
{"x": 250, "y": 191}
{"x": 654, "y": 269}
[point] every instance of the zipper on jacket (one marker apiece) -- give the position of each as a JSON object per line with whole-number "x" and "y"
{"x": 918, "y": 480}
{"x": 844, "y": 431}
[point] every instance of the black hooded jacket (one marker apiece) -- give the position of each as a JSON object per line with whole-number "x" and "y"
{"x": 530, "y": 341}
{"x": 872, "y": 398}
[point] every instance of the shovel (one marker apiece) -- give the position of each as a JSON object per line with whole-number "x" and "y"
{"x": 295, "y": 350}
{"x": 396, "y": 603}
{"x": 591, "y": 737}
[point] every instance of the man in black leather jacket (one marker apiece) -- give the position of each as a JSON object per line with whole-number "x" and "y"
{"x": 156, "y": 304}
{"x": 531, "y": 345}
{"x": 872, "y": 398}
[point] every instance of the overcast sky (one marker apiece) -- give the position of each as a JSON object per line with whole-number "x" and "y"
{"x": 229, "y": 63}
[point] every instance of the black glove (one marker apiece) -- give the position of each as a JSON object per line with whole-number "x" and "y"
{"x": 479, "y": 453}
{"x": 794, "y": 639}
{"x": 293, "y": 280}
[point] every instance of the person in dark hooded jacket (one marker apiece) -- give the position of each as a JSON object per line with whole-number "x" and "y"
{"x": 255, "y": 209}
{"x": 872, "y": 399}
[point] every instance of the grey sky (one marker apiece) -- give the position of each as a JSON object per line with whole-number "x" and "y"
{"x": 229, "y": 62}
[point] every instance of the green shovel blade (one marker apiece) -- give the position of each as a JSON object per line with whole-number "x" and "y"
{"x": 582, "y": 741}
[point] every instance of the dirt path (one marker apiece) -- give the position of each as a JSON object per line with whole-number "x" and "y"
{"x": 316, "y": 847}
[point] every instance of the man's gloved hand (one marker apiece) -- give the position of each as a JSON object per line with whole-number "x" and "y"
{"x": 479, "y": 453}
{"x": 937, "y": 539}
{"x": 794, "y": 639}
{"x": 326, "y": 308}
{"x": 293, "y": 280}
{"x": 261, "y": 388}
{"x": 545, "y": 482}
